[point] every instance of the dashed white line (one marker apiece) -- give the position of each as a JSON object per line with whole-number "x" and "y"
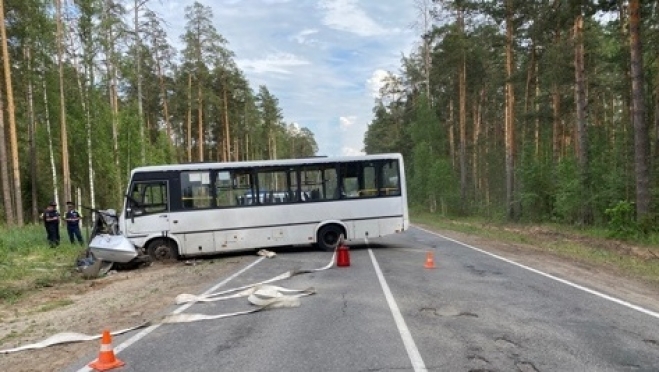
{"x": 408, "y": 341}
{"x": 560, "y": 280}
{"x": 178, "y": 310}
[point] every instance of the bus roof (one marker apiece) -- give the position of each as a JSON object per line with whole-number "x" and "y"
{"x": 263, "y": 163}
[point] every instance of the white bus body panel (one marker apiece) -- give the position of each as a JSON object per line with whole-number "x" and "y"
{"x": 217, "y": 230}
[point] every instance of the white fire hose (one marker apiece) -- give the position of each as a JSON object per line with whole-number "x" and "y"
{"x": 262, "y": 295}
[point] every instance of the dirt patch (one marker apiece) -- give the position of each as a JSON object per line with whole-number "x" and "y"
{"x": 120, "y": 300}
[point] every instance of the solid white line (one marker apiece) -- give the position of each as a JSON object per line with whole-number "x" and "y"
{"x": 566, "y": 282}
{"x": 408, "y": 341}
{"x": 178, "y": 310}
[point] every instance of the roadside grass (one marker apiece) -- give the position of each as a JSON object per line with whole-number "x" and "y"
{"x": 635, "y": 258}
{"x": 27, "y": 262}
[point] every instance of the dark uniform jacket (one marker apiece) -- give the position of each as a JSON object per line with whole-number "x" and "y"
{"x": 50, "y": 214}
{"x": 72, "y": 214}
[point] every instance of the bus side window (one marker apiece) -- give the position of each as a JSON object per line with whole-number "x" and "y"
{"x": 196, "y": 190}
{"x": 149, "y": 197}
{"x": 389, "y": 183}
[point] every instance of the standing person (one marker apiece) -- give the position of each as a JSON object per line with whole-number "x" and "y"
{"x": 73, "y": 223}
{"x": 51, "y": 221}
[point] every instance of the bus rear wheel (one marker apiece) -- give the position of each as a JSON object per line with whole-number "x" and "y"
{"x": 328, "y": 237}
{"x": 162, "y": 250}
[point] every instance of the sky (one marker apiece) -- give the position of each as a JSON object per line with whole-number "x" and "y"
{"x": 323, "y": 59}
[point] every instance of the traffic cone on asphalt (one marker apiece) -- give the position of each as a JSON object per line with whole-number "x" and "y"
{"x": 430, "y": 261}
{"x": 106, "y": 359}
{"x": 342, "y": 254}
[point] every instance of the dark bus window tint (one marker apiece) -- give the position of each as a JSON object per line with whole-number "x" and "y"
{"x": 273, "y": 187}
{"x": 331, "y": 182}
{"x": 358, "y": 180}
{"x": 367, "y": 186}
{"x": 311, "y": 184}
{"x": 318, "y": 182}
{"x": 295, "y": 186}
{"x": 149, "y": 197}
{"x": 390, "y": 182}
{"x": 350, "y": 180}
{"x": 196, "y": 190}
{"x": 233, "y": 187}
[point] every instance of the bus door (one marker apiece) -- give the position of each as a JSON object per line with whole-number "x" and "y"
{"x": 147, "y": 209}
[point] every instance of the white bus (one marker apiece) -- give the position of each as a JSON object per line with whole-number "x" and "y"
{"x": 188, "y": 210}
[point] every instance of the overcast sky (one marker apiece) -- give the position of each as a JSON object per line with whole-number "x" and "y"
{"x": 323, "y": 59}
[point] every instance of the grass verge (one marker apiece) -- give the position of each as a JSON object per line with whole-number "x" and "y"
{"x": 631, "y": 258}
{"x": 28, "y": 263}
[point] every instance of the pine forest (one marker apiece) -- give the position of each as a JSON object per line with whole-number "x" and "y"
{"x": 94, "y": 88}
{"x": 536, "y": 111}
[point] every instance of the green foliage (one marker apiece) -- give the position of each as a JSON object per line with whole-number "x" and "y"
{"x": 537, "y": 195}
{"x": 27, "y": 261}
{"x": 568, "y": 191}
{"x": 99, "y": 37}
{"x": 622, "y": 223}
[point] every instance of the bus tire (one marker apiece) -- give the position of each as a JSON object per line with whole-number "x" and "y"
{"x": 162, "y": 250}
{"x": 328, "y": 237}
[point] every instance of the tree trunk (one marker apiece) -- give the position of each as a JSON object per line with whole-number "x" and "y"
{"x": 4, "y": 169}
{"x": 557, "y": 132}
{"x": 641, "y": 137}
{"x": 581, "y": 142}
{"x": 536, "y": 100}
{"x": 227, "y": 138}
{"x": 530, "y": 70}
{"x": 51, "y": 151}
{"x": 66, "y": 176}
{"x": 18, "y": 194}
{"x": 200, "y": 118}
{"x": 189, "y": 134}
{"x": 656, "y": 120}
{"x": 138, "y": 61}
{"x": 163, "y": 92}
{"x": 462, "y": 87}
{"x": 32, "y": 130}
{"x": 451, "y": 132}
{"x": 510, "y": 116}
{"x": 478, "y": 107}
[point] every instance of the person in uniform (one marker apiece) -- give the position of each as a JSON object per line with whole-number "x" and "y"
{"x": 72, "y": 218}
{"x": 51, "y": 221}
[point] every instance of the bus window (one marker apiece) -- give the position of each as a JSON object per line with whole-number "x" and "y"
{"x": 358, "y": 180}
{"x": 390, "y": 184}
{"x": 195, "y": 190}
{"x": 311, "y": 181}
{"x": 232, "y": 187}
{"x": 368, "y": 186}
{"x": 274, "y": 186}
{"x": 331, "y": 183}
{"x": 318, "y": 182}
{"x": 149, "y": 197}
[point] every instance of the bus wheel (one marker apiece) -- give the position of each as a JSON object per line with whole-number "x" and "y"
{"x": 162, "y": 250}
{"x": 328, "y": 237}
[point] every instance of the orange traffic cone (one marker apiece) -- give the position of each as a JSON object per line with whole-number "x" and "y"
{"x": 430, "y": 261}
{"x": 342, "y": 253}
{"x": 106, "y": 359}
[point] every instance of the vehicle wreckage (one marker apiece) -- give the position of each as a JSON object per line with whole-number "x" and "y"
{"x": 108, "y": 248}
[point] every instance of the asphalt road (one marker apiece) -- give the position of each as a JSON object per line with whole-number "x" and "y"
{"x": 386, "y": 312}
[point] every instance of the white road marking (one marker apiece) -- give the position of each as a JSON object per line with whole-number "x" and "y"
{"x": 560, "y": 280}
{"x": 178, "y": 310}
{"x": 408, "y": 341}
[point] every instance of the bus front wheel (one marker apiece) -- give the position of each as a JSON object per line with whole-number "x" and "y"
{"x": 162, "y": 250}
{"x": 328, "y": 237}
